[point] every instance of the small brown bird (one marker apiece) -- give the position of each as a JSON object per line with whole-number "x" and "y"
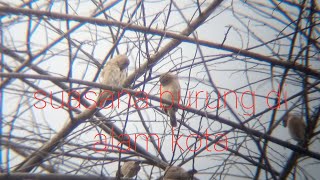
{"x": 129, "y": 169}
{"x": 114, "y": 72}
{"x": 296, "y": 126}
{"x": 171, "y": 84}
{"x": 178, "y": 173}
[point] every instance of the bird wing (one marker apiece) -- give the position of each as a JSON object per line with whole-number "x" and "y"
{"x": 172, "y": 94}
{"x": 130, "y": 169}
{"x": 123, "y": 77}
{"x": 111, "y": 75}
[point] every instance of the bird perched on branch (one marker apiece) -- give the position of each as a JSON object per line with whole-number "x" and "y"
{"x": 129, "y": 169}
{"x": 178, "y": 173}
{"x": 296, "y": 126}
{"x": 113, "y": 74}
{"x": 170, "y": 83}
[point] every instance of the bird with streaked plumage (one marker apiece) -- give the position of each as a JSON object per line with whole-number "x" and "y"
{"x": 129, "y": 169}
{"x": 114, "y": 72}
{"x": 178, "y": 173}
{"x": 170, "y": 83}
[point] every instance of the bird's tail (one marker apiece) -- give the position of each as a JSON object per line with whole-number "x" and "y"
{"x": 173, "y": 120}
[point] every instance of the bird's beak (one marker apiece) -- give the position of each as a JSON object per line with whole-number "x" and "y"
{"x": 192, "y": 171}
{"x": 284, "y": 123}
{"x": 125, "y": 66}
{"x": 138, "y": 162}
{"x": 284, "y": 120}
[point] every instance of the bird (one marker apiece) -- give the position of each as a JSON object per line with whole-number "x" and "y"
{"x": 296, "y": 126}
{"x": 113, "y": 74}
{"x": 170, "y": 83}
{"x": 129, "y": 169}
{"x": 178, "y": 173}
